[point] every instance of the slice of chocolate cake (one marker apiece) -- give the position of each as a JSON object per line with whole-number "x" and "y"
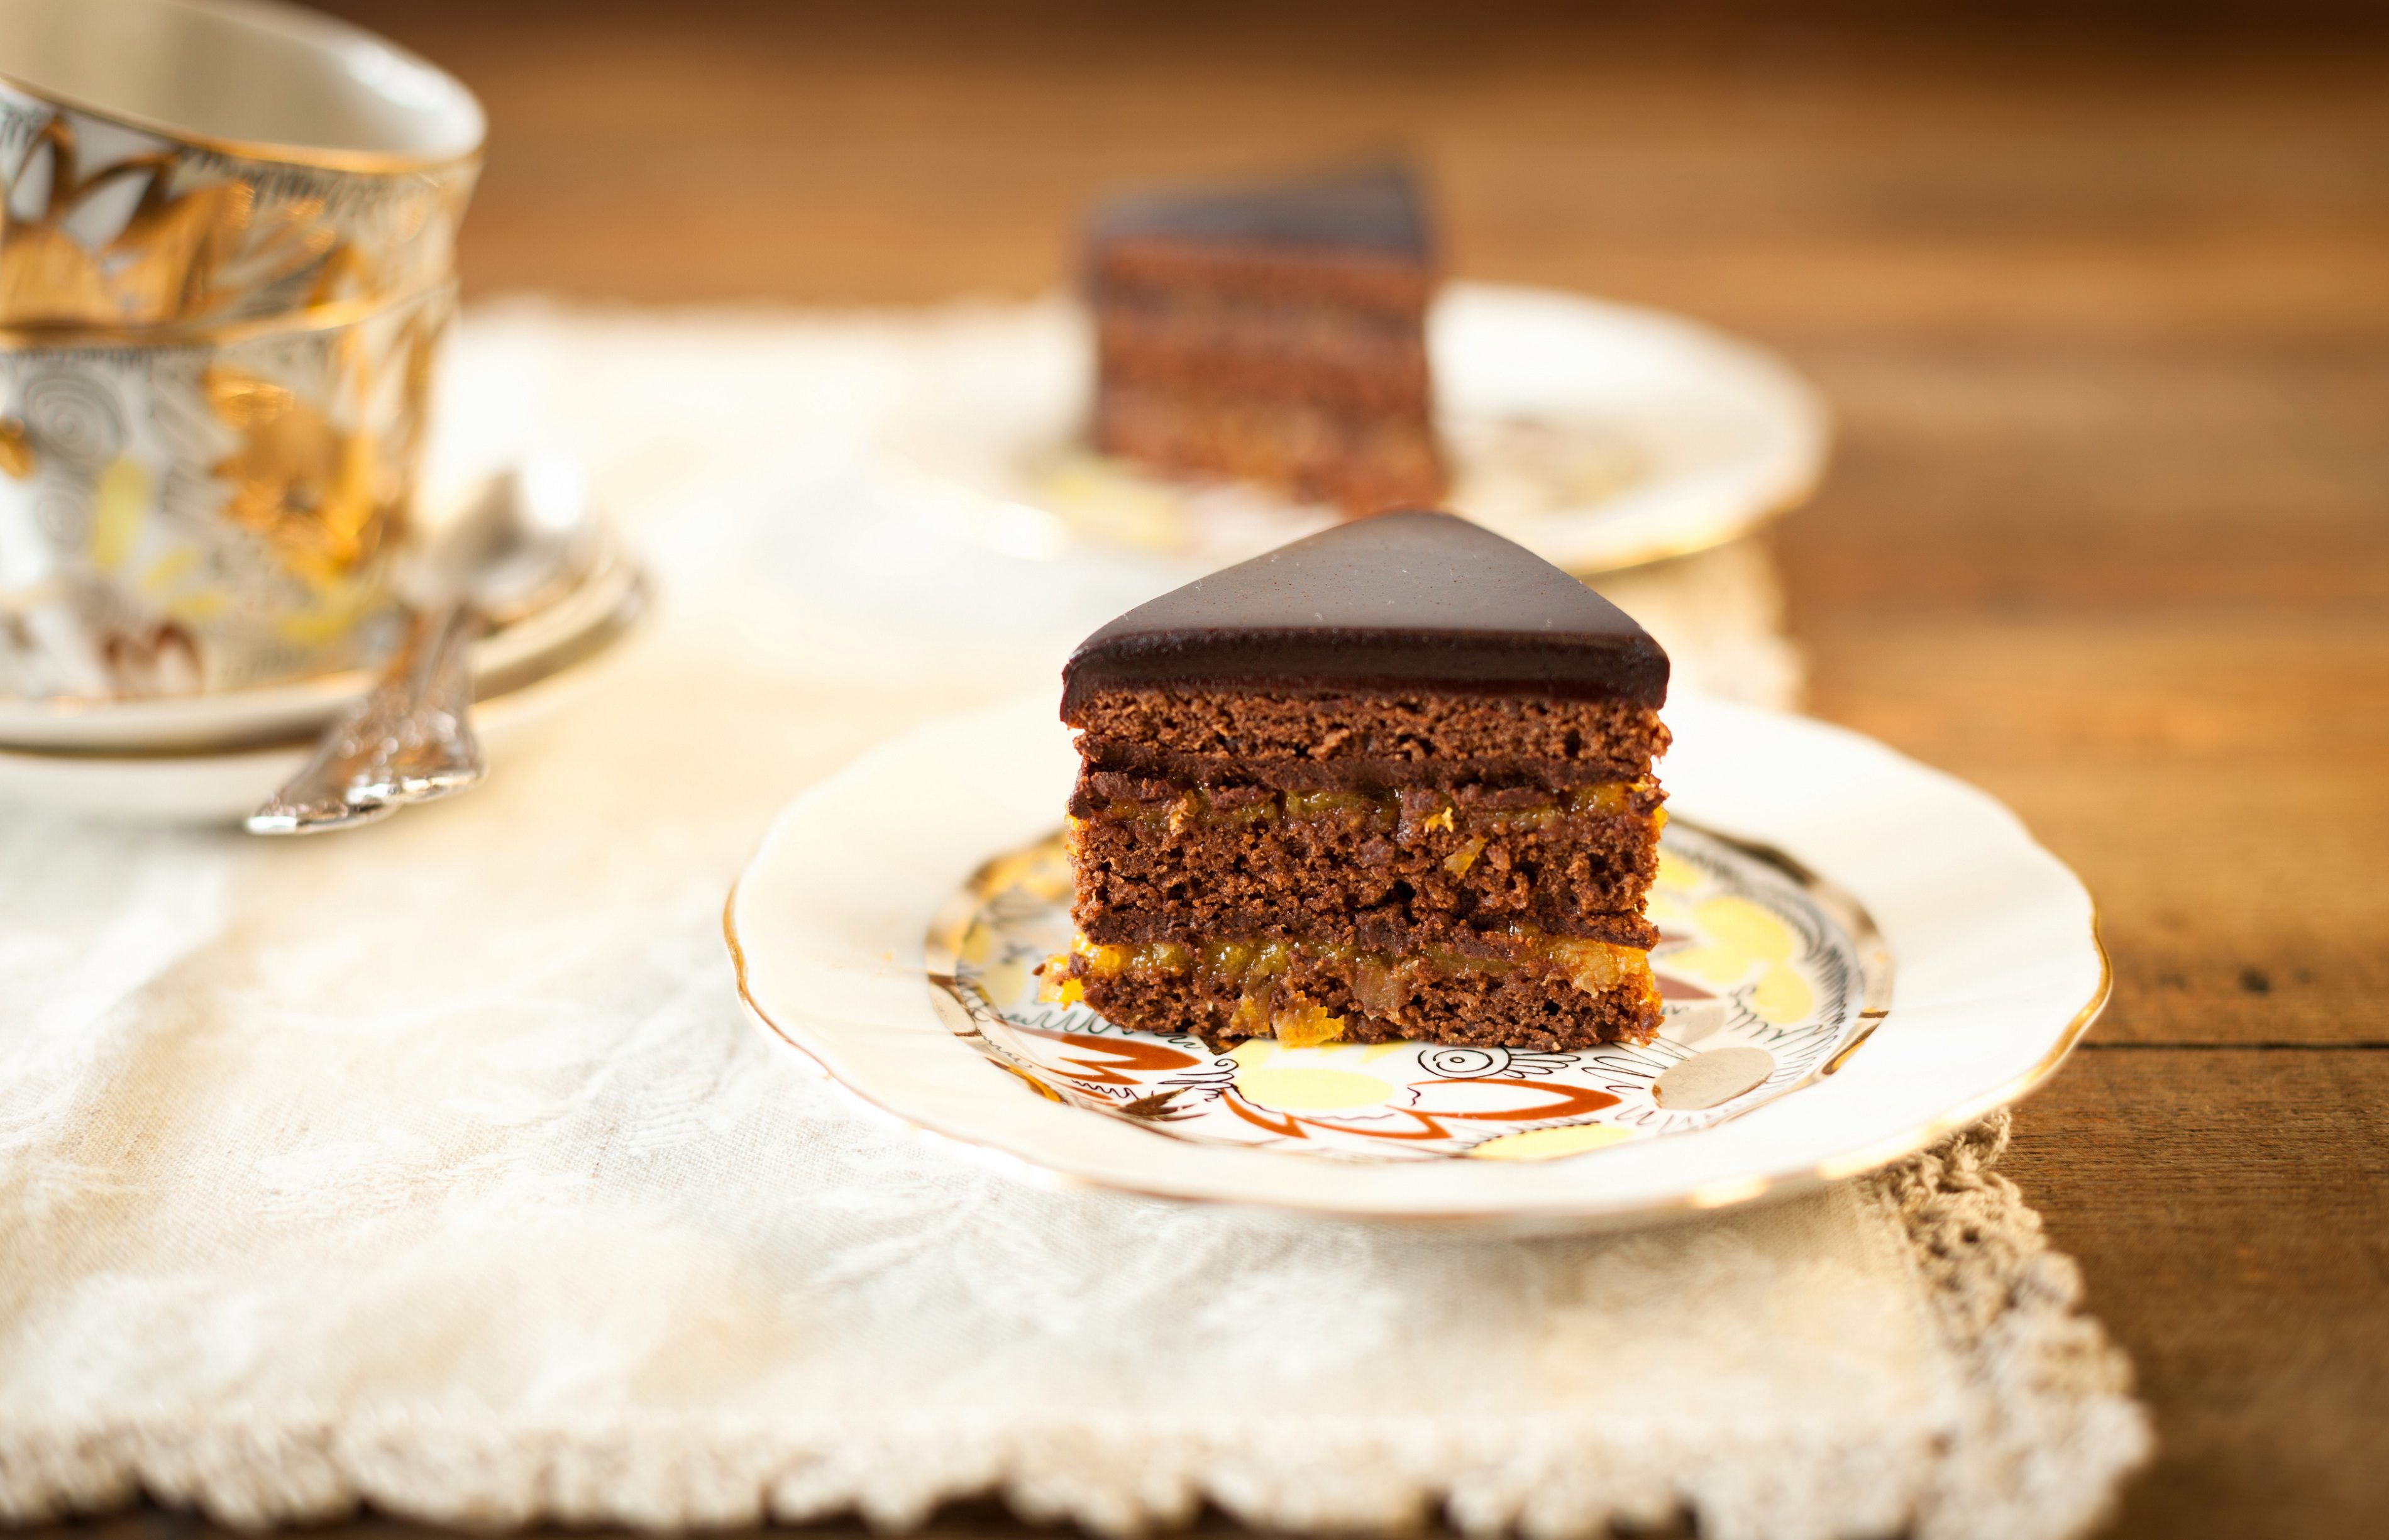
{"x": 1276, "y": 333}
{"x": 1390, "y": 781}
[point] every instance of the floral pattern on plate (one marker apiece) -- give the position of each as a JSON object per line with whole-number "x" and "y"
{"x": 1770, "y": 977}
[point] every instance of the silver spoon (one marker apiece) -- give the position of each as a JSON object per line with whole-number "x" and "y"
{"x": 525, "y": 538}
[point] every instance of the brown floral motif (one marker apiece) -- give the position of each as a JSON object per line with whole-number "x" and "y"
{"x": 1114, "y": 1055}
{"x": 164, "y": 659}
{"x": 1554, "y": 1101}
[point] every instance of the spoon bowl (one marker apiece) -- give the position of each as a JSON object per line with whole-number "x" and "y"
{"x": 523, "y": 539}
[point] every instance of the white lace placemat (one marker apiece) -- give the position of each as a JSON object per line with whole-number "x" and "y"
{"x": 434, "y": 1167}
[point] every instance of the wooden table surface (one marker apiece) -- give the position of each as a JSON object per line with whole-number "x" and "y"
{"x": 2105, "y": 314}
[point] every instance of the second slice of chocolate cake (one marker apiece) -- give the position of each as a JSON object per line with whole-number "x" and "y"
{"x": 1391, "y": 782}
{"x": 1274, "y": 333}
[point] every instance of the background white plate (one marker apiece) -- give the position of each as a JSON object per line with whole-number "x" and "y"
{"x": 1599, "y": 436}
{"x": 1999, "y": 970}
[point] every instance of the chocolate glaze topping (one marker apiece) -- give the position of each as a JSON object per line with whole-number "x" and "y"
{"x": 1374, "y": 208}
{"x": 1406, "y": 601}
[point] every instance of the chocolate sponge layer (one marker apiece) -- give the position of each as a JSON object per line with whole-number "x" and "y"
{"x": 1157, "y": 859}
{"x": 1288, "y": 739}
{"x": 1515, "y": 1007}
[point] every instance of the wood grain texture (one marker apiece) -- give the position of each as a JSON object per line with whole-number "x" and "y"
{"x": 2102, "y": 312}
{"x": 2230, "y": 1208}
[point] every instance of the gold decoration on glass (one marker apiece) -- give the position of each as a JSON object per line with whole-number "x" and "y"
{"x": 252, "y": 492}
{"x": 17, "y": 457}
{"x": 297, "y": 481}
{"x": 215, "y": 353}
{"x": 174, "y": 236}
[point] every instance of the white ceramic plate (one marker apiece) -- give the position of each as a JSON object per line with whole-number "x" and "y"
{"x": 271, "y": 716}
{"x": 1599, "y": 436}
{"x": 512, "y": 688}
{"x": 1814, "y": 877}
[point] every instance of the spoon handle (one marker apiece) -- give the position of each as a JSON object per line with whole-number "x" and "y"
{"x": 432, "y": 749}
{"x": 410, "y": 740}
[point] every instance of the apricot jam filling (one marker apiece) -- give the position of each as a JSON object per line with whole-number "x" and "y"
{"x": 1381, "y": 812}
{"x": 1377, "y": 981}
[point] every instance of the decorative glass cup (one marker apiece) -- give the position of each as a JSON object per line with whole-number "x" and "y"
{"x": 227, "y": 247}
